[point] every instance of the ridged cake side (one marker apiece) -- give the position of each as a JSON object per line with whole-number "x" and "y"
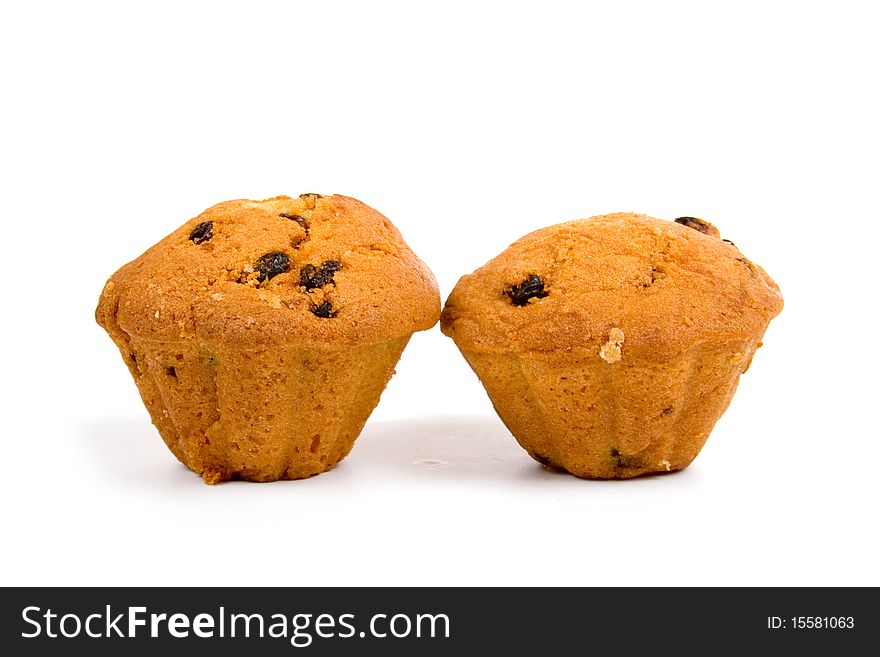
{"x": 288, "y": 412}
{"x": 615, "y": 420}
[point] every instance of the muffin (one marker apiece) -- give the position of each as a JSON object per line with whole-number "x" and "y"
{"x": 260, "y": 334}
{"x": 610, "y": 346}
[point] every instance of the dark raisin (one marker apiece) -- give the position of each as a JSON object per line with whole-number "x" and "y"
{"x": 171, "y": 371}
{"x": 531, "y": 288}
{"x": 298, "y": 219}
{"x": 668, "y": 410}
{"x": 271, "y": 265}
{"x": 134, "y": 358}
{"x": 697, "y": 224}
{"x": 312, "y": 194}
{"x": 325, "y": 310}
{"x": 203, "y": 232}
{"x": 311, "y": 277}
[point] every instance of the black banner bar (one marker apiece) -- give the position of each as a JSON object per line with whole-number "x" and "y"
{"x": 437, "y": 621}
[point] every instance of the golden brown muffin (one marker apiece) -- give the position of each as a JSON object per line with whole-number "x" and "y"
{"x": 261, "y": 333}
{"x": 610, "y": 346}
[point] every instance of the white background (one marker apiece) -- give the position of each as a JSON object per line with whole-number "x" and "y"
{"x": 468, "y": 125}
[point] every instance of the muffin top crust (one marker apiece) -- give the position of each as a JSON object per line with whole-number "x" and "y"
{"x": 612, "y": 284}
{"x": 283, "y": 270}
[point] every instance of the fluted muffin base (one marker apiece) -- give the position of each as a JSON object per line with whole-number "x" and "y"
{"x": 618, "y": 420}
{"x": 285, "y": 412}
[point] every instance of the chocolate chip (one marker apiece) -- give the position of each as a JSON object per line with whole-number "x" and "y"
{"x": 697, "y": 224}
{"x": 310, "y": 194}
{"x": 203, "y": 232}
{"x": 271, "y": 265}
{"x": 325, "y": 310}
{"x": 171, "y": 371}
{"x": 311, "y": 277}
{"x": 298, "y": 219}
{"x": 668, "y": 410}
{"x": 531, "y": 288}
